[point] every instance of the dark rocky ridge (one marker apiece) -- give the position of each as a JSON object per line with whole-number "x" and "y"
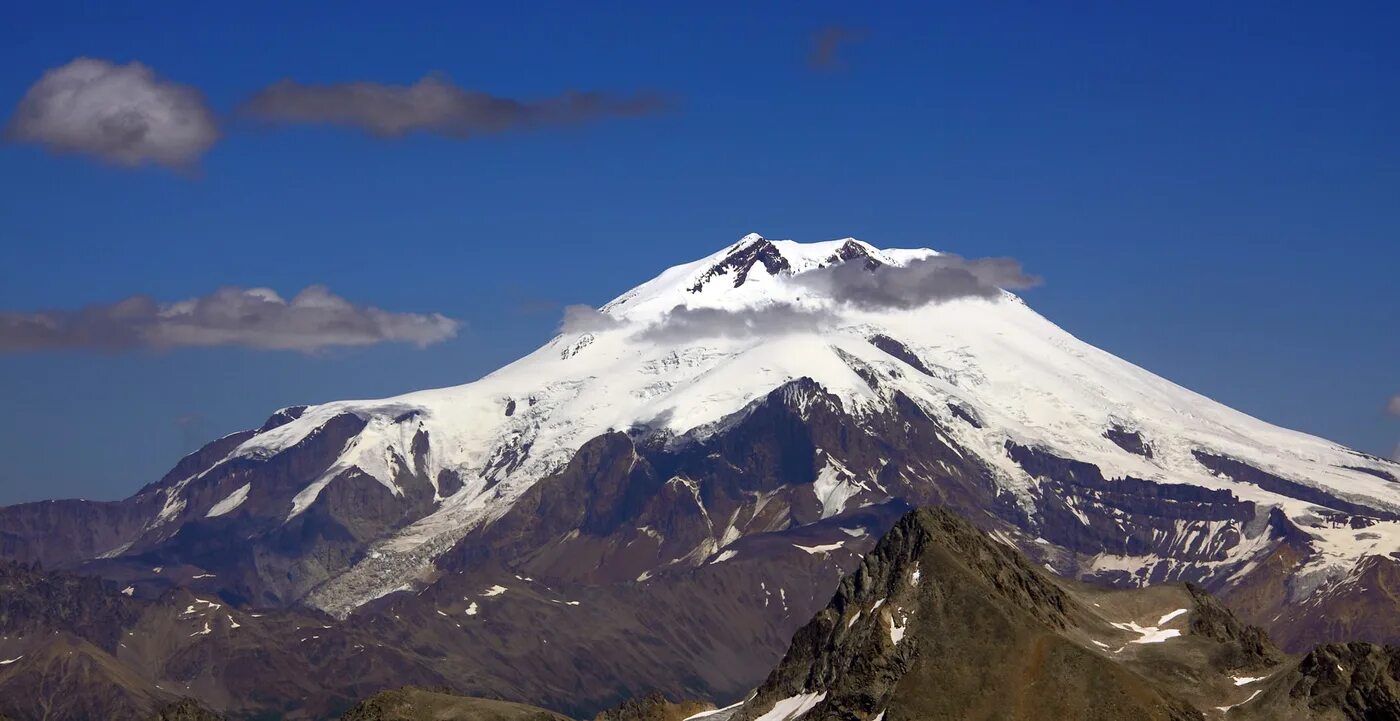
{"x": 1130, "y": 441}
{"x": 900, "y": 351}
{"x": 1246, "y": 473}
{"x": 742, "y": 259}
{"x": 1132, "y": 516}
{"x": 851, "y": 250}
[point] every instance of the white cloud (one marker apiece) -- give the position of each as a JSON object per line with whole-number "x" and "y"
{"x": 122, "y": 114}
{"x": 250, "y": 317}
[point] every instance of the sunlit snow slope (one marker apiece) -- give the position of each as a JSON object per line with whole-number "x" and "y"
{"x": 642, "y": 362}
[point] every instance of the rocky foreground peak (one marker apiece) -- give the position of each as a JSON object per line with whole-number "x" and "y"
{"x": 944, "y": 621}
{"x": 941, "y": 621}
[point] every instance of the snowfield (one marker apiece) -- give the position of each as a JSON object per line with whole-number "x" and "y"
{"x": 633, "y": 364}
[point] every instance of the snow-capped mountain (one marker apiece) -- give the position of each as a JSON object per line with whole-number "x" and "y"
{"x": 753, "y": 399}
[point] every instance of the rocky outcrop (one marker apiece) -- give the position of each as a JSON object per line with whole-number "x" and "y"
{"x": 1350, "y": 682}
{"x": 1130, "y": 441}
{"x": 186, "y": 710}
{"x": 742, "y": 259}
{"x": 416, "y": 704}
{"x": 1360, "y": 680}
{"x": 654, "y": 706}
{"x": 1243, "y": 647}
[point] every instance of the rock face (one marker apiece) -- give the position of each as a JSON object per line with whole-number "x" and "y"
{"x": 1360, "y": 680}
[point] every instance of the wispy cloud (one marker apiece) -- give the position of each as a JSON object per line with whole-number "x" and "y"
{"x": 585, "y": 319}
{"x": 682, "y": 323}
{"x": 435, "y": 105}
{"x": 312, "y": 320}
{"x": 826, "y": 46}
{"x": 935, "y": 279}
{"x": 123, "y": 114}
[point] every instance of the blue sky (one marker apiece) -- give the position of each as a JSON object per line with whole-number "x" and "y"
{"x": 1210, "y": 190}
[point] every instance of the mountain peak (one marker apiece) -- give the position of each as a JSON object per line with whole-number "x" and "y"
{"x": 751, "y": 250}
{"x": 748, "y": 239}
{"x": 754, "y": 272}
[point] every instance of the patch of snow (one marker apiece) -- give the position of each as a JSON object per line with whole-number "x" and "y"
{"x": 10, "y": 661}
{"x": 1251, "y": 698}
{"x": 793, "y": 707}
{"x": 712, "y": 712}
{"x": 1243, "y": 680}
{"x": 493, "y": 591}
{"x": 724, "y": 556}
{"x": 129, "y": 591}
{"x": 822, "y": 549}
{"x": 233, "y": 501}
{"x": 834, "y": 486}
{"x": 1164, "y": 619}
{"x": 1148, "y": 634}
{"x": 897, "y": 630}
{"x": 472, "y": 609}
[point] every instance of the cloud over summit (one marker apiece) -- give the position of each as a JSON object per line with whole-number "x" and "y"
{"x": 935, "y": 279}
{"x": 312, "y": 320}
{"x": 918, "y": 283}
